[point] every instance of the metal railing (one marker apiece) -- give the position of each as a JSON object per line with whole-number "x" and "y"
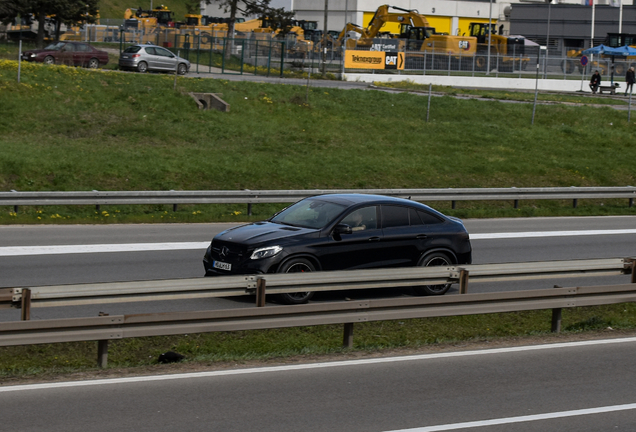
{"x": 105, "y": 328}
{"x": 97, "y": 198}
{"x": 228, "y": 286}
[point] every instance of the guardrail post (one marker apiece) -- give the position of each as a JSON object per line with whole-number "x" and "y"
{"x": 556, "y": 320}
{"x": 575, "y": 202}
{"x": 15, "y": 208}
{"x": 633, "y": 277}
{"x": 260, "y": 292}
{"x": 453, "y": 204}
{"x": 631, "y": 203}
{"x": 102, "y": 349}
{"x": 102, "y": 353}
{"x": 174, "y": 207}
{"x": 25, "y": 314}
{"x": 556, "y": 317}
{"x": 249, "y": 209}
{"x": 347, "y": 340}
{"x": 463, "y": 281}
{"x": 516, "y": 204}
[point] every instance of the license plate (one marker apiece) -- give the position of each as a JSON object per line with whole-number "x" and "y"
{"x": 222, "y": 265}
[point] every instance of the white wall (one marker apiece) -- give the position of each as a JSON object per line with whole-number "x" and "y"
{"x": 479, "y": 82}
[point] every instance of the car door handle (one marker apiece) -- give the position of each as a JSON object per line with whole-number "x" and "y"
{"x": 374, "y": 239}
{"x": 421, "y": 236}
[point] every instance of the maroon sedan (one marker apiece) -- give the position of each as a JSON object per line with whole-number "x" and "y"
{"x": 68, "y": 53}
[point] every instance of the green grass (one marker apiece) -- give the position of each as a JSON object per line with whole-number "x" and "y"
{"x": 279, "y": 344}
{"x": 73, "y": 129}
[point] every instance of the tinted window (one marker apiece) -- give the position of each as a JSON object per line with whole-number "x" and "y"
{"x": 82, "y": 48}
{"x": 428, "y": 218}
{"x": 132, "y": 49}
{"x": 150, "y": 50}
{"x": 414, "y": 217}
{"x": 69, "y": 48}
{"x": 362, "y": 219}
{"x": 394, "y": 216}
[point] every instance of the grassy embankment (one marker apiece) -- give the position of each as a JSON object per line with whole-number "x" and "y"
{"x": 72, "y": 129}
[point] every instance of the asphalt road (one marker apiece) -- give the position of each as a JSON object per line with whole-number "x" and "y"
{"x": 26, "y": 261}
{"x": 575, "y": 387}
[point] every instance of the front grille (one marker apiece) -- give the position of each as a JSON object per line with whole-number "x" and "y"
{"x": 228, "y": 252}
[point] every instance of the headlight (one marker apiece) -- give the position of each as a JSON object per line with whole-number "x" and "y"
{"x": 266, "y": 252}
{"x": 32, "y": 55}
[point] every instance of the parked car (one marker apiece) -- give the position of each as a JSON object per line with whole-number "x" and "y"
{"x": 340, "y": 232}
{"x": 143, "y": 58}
{"x": 68, "y": 53}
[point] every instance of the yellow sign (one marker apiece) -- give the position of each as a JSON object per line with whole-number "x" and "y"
{"x": 374, "y": 60}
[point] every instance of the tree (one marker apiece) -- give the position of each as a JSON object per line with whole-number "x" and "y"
{"x": 276, "y": 18}
{"x": 69, "y": 12}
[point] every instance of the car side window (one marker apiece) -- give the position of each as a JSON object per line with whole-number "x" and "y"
{"x": 150, "y": 50}
{"x": 163, "y": 52}
{"x": 362, "y": 219}
{"x": 428, "y": 218}
{"x": 82, "y": 47}
{"x": 394, "y": 216}
{"x": 69, "y": 48}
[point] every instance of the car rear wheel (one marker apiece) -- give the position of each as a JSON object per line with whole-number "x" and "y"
{"x": 93, "y": 63}
{"x": 298, "y": 265}
{"x": 142, "y": 67}
{"x": 434, "y": 259}
{"x": 49, "y": 60}
{"x": 182, "y": 69}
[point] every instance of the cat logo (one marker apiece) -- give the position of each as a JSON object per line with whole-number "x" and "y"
{"x": 464, "y": 45}
{"x": 394, "y": 60}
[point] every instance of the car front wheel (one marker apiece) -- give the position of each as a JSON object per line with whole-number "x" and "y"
{"x": 49, "y": 60}
{"x": 298, "y": 265}
{"x": 434, "y": 259}
{"x": 142, "y": 67}
{"x": 182, "y": 69}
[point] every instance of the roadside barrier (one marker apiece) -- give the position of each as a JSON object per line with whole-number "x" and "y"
{"x": 105, "y": 328}
{"x": 98, "y": 198}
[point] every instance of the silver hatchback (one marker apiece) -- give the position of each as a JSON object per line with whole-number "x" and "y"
{"x": 143, "y": 58}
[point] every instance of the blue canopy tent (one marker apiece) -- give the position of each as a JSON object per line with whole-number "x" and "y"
{"x": 623, "y": 51}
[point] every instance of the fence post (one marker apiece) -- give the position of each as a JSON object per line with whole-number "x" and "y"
{"x": 260, "y": 292}
{"x": 347, "y": 340}
{"x": 25, "y": 313}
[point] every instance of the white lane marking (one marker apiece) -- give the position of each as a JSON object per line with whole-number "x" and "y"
{"x": 98, "y": 248}
{"x": 520, "y": 419}
{"x": 147, "y": 247}
{"x": 287, "y": 368}
{"x": 511, "y": 235}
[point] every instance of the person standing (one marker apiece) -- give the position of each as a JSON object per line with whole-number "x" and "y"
{"x": 629, "y": 79}
{"x": 595, "y": 81}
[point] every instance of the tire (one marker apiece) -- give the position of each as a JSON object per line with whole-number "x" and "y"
{"x": 93, "y": 63}
{"x": 481, "y": 63}
{"x": 182, "y": 69}
{"x": 49, "y": 60}
{"x": 142, "y": 67}
{"x": 297, "y": 265}
{"x": 434, "y": 259}
{"x": 567, "y": 66}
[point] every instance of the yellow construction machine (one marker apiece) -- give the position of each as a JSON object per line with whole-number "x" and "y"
{"x": 507, "y": 52}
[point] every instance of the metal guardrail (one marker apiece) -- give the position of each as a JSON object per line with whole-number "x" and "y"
{"x": 227, "y": 286}
{"x": 15, "y": 198}
{"x": 105, "y": 328}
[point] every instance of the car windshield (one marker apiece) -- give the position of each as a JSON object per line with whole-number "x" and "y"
{"x": 55, "y": 46}
{"x": 309, "y": 213}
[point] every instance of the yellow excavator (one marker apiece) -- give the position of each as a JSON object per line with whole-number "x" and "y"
{"x": 507, "y": 52}
{"x": 415, "y": 35}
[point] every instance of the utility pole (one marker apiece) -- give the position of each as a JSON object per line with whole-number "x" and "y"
{"x": 324, "y": 42}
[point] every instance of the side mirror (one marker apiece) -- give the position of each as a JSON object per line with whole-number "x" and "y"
{"x": 342, "y": 229}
